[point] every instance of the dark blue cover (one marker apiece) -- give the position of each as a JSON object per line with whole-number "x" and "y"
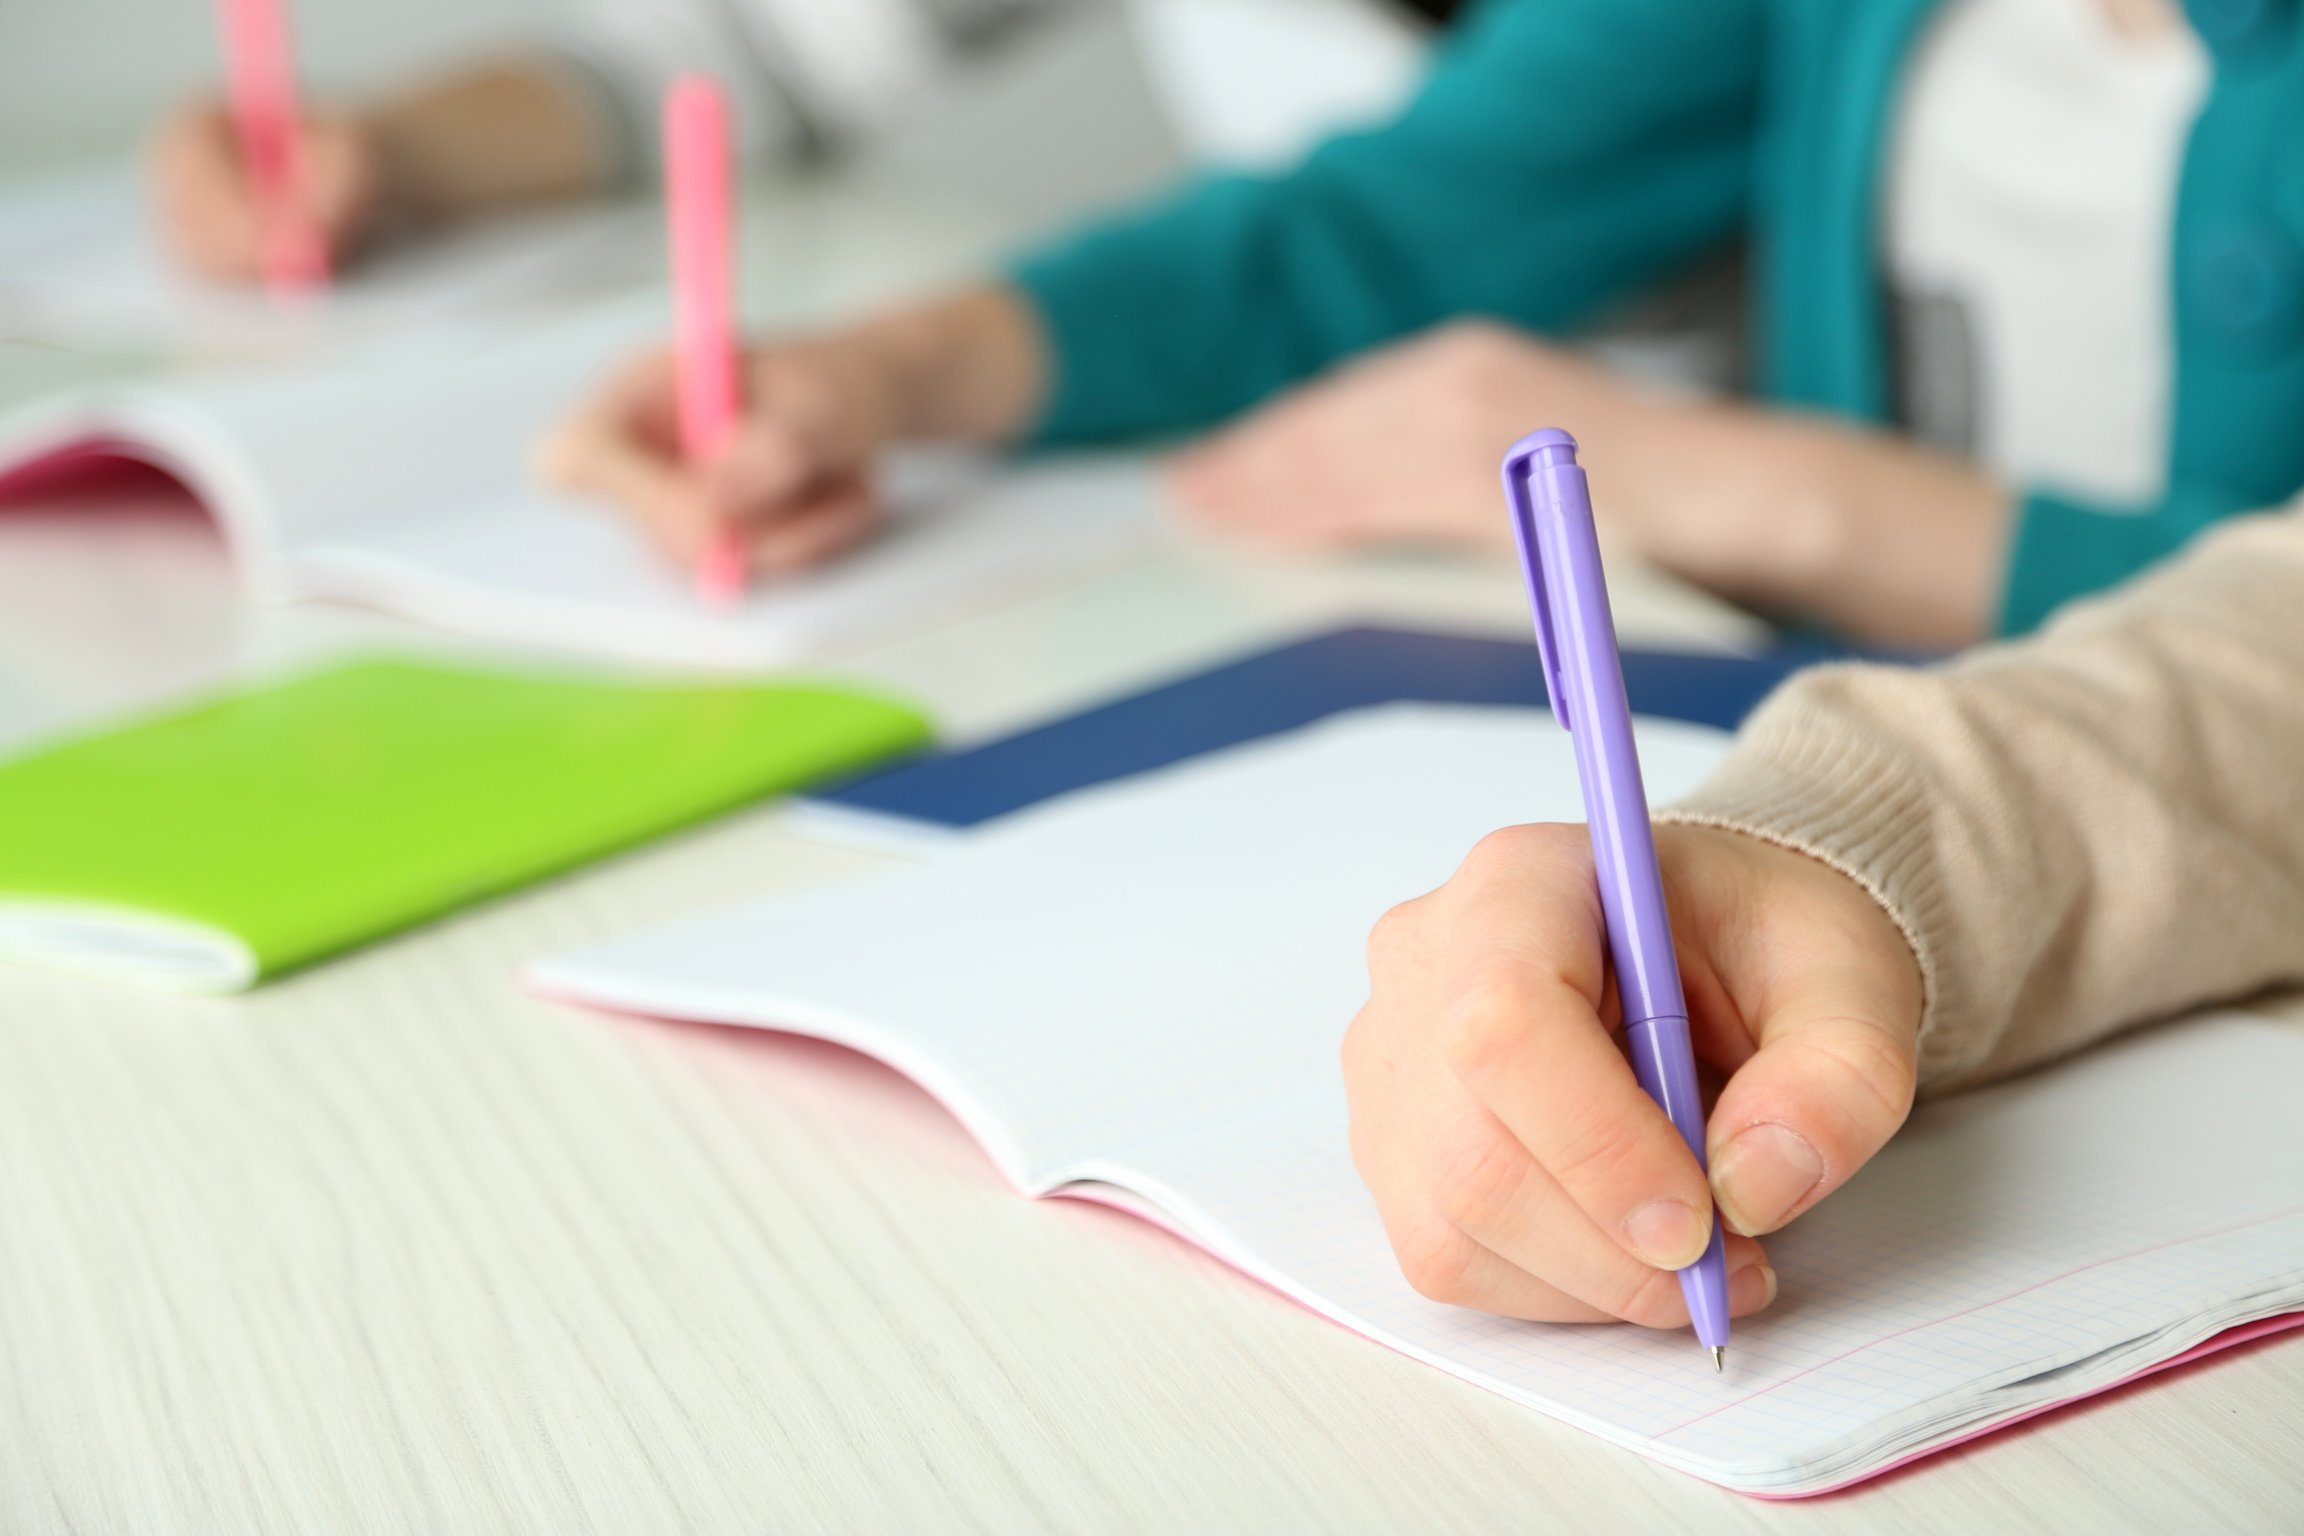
{"x": 1279, "y": 689}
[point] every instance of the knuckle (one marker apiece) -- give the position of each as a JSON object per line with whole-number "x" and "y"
{"x": 1540, "y": 848}
{"x": 1588, "y": 1147}
{"x": 1873, "y": 1068}
{"x": 1436, "y": 1260}
{"x": 1504, "y": 848}
{"x": 778, "y": 443}
{"x": 1477, "y": 1179}
{"x": 1560, "y": 846}
{"x": 1394, "y": 935}
{"x": 1648, "y": 1297}
{"x": 1892, "y": 1068}
{"x": 1488, "y": 1019}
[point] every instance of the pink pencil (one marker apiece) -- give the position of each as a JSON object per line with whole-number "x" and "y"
{"x": 697, "y": 183}
{"x": 260, "y": 69}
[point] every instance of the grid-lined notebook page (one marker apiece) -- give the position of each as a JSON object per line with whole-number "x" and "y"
{"x": 2018, "y": 1246}
{"x": 1146, "y": 984}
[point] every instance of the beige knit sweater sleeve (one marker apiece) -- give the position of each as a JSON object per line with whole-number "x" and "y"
{"x": 2078, "y": 832}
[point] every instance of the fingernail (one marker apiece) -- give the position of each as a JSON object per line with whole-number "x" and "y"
{"x": 1667, "y": 1233}
{"x": 1761, "y": 1175}
{"x": 1751, "y": 1289}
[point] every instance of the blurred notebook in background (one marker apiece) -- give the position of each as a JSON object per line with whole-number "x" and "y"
{"x": 249, "y": 834}
{"x": 926, "y": 799}
{"x": 1134, "y": 995}
{"x": 403, "y": 483}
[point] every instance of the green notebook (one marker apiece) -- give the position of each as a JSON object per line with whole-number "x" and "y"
{"x": 261, "y": 831}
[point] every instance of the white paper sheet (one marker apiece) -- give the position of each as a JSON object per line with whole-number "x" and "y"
{"x": 405, "y": 483}
{"x": 1144, "y": 985}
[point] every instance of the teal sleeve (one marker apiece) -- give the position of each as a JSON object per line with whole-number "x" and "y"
{"x": 2066, "y": 548}
{"x": 1564, "y": 153}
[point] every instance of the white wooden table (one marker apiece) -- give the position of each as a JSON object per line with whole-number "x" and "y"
{"x": 390, "y": 1246}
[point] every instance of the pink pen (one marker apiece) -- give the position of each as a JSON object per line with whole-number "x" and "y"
{"x": 697, "y": 184}
{"x": 259, "y": 67}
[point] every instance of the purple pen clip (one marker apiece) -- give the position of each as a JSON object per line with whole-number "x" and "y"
{"x": 1519, "y": 464}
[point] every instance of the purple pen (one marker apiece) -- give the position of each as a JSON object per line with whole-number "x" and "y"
{"x": 1576, "y": 639}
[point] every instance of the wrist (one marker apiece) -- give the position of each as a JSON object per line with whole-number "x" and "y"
{"x": 964, "y": 369}
{"x": 1902, "y": 544}
{"x": 402, "y": 196}
{"x": 1796, "y": 490}
{"x": 1743, "y": 502}
{"x": 1824, "y": 770}
{"x": 507, "y": 131}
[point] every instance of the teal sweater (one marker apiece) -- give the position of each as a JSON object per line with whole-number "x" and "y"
{"x": 1566, "y": 154}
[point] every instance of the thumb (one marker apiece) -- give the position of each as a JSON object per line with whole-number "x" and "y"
{"x": 1831, "y": 1082}
{"x": 770, "y": 469}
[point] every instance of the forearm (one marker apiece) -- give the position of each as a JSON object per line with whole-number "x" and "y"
{"x": 1872, "y": 536}
{"x": 1913, "y": 542}
{"x": 1888, "y": 541}
{"x": 2077, "y": 833}
{"x": 970, "y": 367}
{"x": 501, "y": 133}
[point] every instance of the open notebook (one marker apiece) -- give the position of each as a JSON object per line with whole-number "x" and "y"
{"x": 1134, "y": 995}
{"x": 80, "y": 262}
{"x": 402, "y": 483}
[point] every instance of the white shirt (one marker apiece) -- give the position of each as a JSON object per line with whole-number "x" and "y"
{"x": 2030, "y": 204}
{"x": 800, "y": 72}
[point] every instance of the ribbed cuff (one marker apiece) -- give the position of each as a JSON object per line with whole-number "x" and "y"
{"x": 1802, "y": 778}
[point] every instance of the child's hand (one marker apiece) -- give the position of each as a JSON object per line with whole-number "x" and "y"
{"x": 1519, "y": 1167}
{"x": 207, "y": 205}
{"x": 797, "y": 481}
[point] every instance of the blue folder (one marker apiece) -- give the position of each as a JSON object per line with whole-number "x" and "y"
{"x": 1276, "y": 690}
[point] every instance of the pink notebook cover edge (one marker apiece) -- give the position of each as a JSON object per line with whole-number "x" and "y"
{"x": 84, "y": 462}
{"x": 2239, "y": 1333}
{"x": 1144, "y": 1212}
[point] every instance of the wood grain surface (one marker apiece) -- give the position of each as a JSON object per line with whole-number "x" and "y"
{"x": 391, "y": 1246}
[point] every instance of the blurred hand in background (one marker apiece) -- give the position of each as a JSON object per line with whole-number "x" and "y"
{"x": 495, "y": 135}
{"x": 207, "y": 204}
{"x": 798, "y": 484}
